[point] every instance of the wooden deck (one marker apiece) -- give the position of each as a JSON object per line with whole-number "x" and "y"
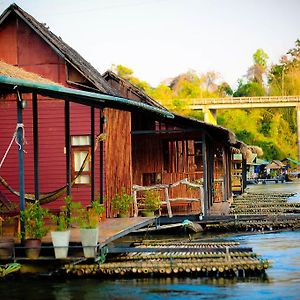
{"x": 111, "y": 229}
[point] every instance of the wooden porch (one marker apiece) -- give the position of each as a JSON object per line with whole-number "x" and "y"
{"x": 110, "y": 229}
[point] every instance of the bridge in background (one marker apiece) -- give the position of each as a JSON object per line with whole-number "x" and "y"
{"x": 209, "y": 106}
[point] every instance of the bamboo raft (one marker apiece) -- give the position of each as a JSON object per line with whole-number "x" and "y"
{"x": 210, "y": 259}
{"x": 264, "y": 203}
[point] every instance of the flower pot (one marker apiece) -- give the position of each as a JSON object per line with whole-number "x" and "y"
{"x": 6, "y": 248}
{"x": 60, "y": 240}
{"x": 147, "y": 213}
{"x": 32, "y": 248}
{"x": 10, "y": 227}
{"x": 89, "y": 241}
{"x": 122, "y": 215}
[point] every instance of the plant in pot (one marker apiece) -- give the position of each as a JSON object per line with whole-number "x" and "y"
{"x": 121, "y": 203}
{"x": 151, "y": 203}
{"x": 6, "y": 244}
{"x": 35, "y": 228}
{"x": 61, "y": 235}
{"x": 88, "y": 220}
{"x": 8, "y": 229}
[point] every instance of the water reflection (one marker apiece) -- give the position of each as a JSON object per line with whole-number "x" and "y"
{"x": 282, "y": 280}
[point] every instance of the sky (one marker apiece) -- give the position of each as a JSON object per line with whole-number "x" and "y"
{"x": 160, "y": 39}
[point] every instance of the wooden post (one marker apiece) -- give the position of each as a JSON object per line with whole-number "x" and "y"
{"x": 205, "y": 176}
{"x": 298, "y": 132}
{"x": 167, "y": 199}
{"x": 101, "y": 158}
{"x": 135, "y": 206}
{"x": 20, "y": 138}
{"x": 68, "y": 147}
{"x": 92, "y": 154}
{"x": 36, "y": 146}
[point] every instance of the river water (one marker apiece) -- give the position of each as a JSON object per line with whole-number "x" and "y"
{"x": 282, "y": 280}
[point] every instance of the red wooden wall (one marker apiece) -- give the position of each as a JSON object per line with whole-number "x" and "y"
{"x": 21, "y": 46}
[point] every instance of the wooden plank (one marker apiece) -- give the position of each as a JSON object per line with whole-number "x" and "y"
{"x": 110, "y": 229}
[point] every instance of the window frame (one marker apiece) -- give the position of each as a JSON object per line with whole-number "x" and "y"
{"x": 80, "y": 148}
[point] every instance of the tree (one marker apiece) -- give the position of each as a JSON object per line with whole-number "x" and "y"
{"x": 224, "y": 90}
{"x": 249, "y": 89}
{"x": 284, "y": 78}
{"x": 127, "y": 74}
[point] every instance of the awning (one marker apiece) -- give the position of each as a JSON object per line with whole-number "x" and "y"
{"x": 293, "y": 161}
{"x": 79, "y": 96}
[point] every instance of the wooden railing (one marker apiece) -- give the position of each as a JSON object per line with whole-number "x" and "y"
{"x": 167, "y": 200}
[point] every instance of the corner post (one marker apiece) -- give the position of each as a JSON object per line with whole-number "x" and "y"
{"x": 20, "y": 138}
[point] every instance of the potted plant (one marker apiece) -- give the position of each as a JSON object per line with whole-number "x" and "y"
{"x": 35, "y": 228}
{"x": 121, "y": 203}
{"x": 61, "y": 235}
{"x": 88, "y": 220}
{"x": 151, "y": 203}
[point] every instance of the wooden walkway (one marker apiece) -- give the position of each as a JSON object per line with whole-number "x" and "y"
{"x": 111, "y": 229}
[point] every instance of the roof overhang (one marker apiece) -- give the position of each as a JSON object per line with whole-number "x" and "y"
{"x": 78, "y": 96}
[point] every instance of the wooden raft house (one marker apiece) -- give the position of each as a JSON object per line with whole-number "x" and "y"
{"x": 54, "y": 106}
{"x": 145, "y": 144}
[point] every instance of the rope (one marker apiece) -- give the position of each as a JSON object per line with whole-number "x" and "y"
{"x": 14, "y": 138}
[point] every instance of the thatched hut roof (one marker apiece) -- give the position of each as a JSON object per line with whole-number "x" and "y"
{"x": 246, "y": 150}
{"x": 17, "y": 72}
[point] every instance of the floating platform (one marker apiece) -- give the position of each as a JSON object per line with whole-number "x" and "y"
{"x": 209, "y": 259}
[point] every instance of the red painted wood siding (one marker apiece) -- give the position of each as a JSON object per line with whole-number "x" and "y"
{"x": 21, "y": 46}
{"x": 52, "y": 160}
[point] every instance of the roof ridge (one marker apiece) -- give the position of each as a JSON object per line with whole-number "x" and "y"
{"x": 136, "y": 89}
{"x": 63, "y": 49}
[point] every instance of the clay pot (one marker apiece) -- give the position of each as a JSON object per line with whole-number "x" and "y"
{"x": 6, "y": 248}
{"x": 32, "y": 248}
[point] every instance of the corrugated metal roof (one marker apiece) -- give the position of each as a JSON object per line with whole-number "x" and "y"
{"x": 83, "y": 97}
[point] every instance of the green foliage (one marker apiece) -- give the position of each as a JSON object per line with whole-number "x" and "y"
{"x": 88, "y": 217}
{"x": 246, "y": 136}
{"x": 63, "y": 219}
{"x": 250, "y": 89}
{"x": 151, "y": 200}
{"x": 224, "y": 89}
{"x": 121, "y": 202}
{"x": 127, "y": 74}
{"x": 274, "y": 128}
{"x": 260, "y": 57}
{"x": 284, "y": 77}
{"x": 271, "y": 151}
{"x": 34, "y": 220}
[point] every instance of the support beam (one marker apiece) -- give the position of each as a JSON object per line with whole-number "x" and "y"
{"x": 92, "y": 154}
{"x": 20, "y": 138}
{"x": 210, "y": 116}
{"x": 36, "y": 146}
{"x": 68, "y": 147}
{"x": 205, "y": 175}
{"x": 298, "y": 130}
{"x": 101, "y": 158}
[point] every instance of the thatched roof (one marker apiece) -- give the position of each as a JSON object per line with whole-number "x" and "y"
{"x": 246, "y": 150}
{"x": 62, "y": 49}
{"x": 275, "y": 165}
{"x": 16, "y": 72}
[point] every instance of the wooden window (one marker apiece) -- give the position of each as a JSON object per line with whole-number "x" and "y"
{"x": 198, "y": 155}
{"x": 81, "y": 146}
{"x": 151, "y": 178}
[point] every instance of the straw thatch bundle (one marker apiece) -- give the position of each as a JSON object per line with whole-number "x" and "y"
{"x": 16, "y": 72}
